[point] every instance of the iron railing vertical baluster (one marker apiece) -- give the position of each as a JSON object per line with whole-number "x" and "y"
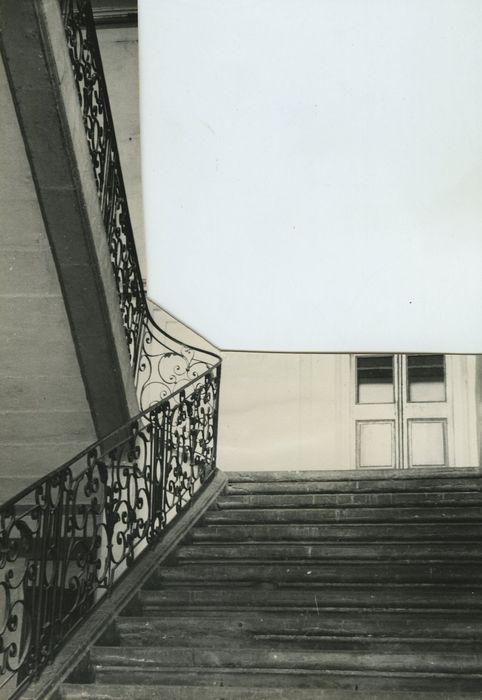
{"x": 216, "y": 415}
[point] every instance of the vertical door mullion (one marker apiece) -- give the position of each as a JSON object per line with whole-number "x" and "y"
{"x": 399, "y": 412}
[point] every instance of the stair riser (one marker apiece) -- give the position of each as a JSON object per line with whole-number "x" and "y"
{"x": 264, "y": 552}
{"x": 337, "y": 500}
{"x": 353, "y": 572}
{"x": 236, "y": 625}
{"x": 207, "y": 691}
{"x": 433, "y": 475}
{"x": 385, "y": 641}
{"x": 152, "y": 658}
{"x": 350, "y": 681}
{"x": 354, "y": 515}
{"x": 426, "y": 486}
{"x": 416, "y": 532}
{"x": 326, "y": 643}
{"x": 314, "y": 599}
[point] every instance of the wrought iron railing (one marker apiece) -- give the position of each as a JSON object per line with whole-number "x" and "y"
{"x": 68, "y": 538}
{"x": 161, "y": 363}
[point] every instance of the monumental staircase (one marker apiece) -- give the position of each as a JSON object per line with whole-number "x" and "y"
{"x": 137, "y": 569}
{"x": 308, "y": 584}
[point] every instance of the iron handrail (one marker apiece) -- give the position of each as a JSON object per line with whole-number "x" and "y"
{"x": 107, "y": 439}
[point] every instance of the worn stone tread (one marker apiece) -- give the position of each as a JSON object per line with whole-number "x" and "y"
{"x": 433, "y": 475}
{"x": 330, "y": 630}
{"x": 334, "y": 532}
{"x": 185, "y": 692}
{"x": 354, "y": 514}
{"x": 355, "y": 486}
{"x": 335, "y": 571}
{"x": 252, "y": 677}
{"x": 349, "y": 500}
{"x": 130, "y": 659}
{"x": 315, "y": 551}
{"x": 323, "y": 596}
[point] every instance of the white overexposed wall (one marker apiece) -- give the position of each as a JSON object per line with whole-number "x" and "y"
{"x": 312, "y": 171}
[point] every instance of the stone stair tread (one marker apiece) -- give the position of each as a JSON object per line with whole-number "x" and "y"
{"x": 433, "y": 475}
{"x": 314, "y": 550}
{"x": 353, "y": 514}
{"x": 350, "y": 499}
{"x": 184, "y": 692}
{"x": 355, "y": 486}
{"x": 335, "y": 630}
{"x": 329, "y": 532}
{"x": 322, "y": 596}
{"x": 442, "y": 663}
{"x": 309, "y": 622}
{"x": 245, "y": 678}
{"x": 352, "y": 644}
{"x": 343, "y": 571}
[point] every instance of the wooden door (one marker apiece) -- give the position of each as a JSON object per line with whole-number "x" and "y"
{"x": 401, "y": 412}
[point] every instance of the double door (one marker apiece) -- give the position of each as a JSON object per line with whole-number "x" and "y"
{"x": 401, "y": 412}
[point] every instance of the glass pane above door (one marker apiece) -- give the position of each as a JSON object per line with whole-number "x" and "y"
{"x": 425, "y": 378}
{"x": 375, "y": 379}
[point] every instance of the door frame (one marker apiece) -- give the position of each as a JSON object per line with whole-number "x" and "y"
{"x": 403, "y": 423}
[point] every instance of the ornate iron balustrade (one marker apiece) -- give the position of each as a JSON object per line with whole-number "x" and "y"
{"x": 65, "y": 541}
{"x": 161, "y": 363}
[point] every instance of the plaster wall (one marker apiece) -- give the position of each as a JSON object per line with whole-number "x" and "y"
{"x": 478, "y": 398}
{"x": 295, "y": 410}
{"x": 45, "y": 417}
{"x": 277, "y": 410}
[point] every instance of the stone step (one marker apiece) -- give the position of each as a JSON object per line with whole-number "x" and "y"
{"x": 348, "y": 500}
{"x": 311, "y": 572}
{"x": 432, "y": 475}
{"x": 356, "y": 485}
{"x": 321, "y": 551}
{"x": 185, "y": 692}
{"x": 153, "y": 665}
{"x": 354, "y": 514}
{"x": 357, "y": 532}
{"x": 366, "y": 685}
{"x": 315, "y": 598}
{"x": 298, "y": 586}
{"x": 361, "y": 629}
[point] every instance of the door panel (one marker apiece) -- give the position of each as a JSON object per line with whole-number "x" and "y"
{"x": 376, "y": 444}
{"x": 427, "y": 443}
